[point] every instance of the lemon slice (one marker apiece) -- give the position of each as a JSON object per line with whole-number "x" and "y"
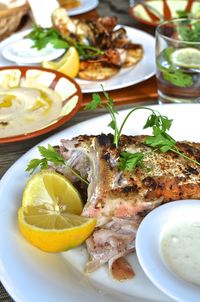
{"x": 49, "y": 216}
{"x": 50, "y": 188}
{"x": 51, "y": 230}
{"x": 68, "y": 64}
{"x": 186, "y": 57}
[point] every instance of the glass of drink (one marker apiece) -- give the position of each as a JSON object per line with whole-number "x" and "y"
{"x": 178, "y": 61}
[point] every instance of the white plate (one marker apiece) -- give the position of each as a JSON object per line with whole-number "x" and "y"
{"x": 127, "y": 76}
{"x": 86, "y": 6}
{"x": 148, "y": 248}
{"x": 19, "y": 50}
{"x": 30, "y": 275}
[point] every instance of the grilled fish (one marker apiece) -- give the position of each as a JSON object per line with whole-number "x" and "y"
{"x": 120, "y": 199}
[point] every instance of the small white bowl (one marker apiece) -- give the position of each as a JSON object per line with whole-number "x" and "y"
{"x": 149, "y": 252}
{"x": 19, "y": 50}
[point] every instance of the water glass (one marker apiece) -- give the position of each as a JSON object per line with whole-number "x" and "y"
{"x": 178, "y": 61}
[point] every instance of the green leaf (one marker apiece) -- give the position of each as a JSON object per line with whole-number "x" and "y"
{"x": 161, "y": 140}
{"x": 50, "y": 154}
{"x": 57, "y": 43}
{"x": 96, "y": 101}
{"x": 178, "y": 78}
{"x": 160, "y": 121}
{"x": 34, "y": 163}
{"x": 189, "y": 33}
{"x": 112, "y": 125}
{"x": 128, "y": 161}
{"x": 167, "y": 52}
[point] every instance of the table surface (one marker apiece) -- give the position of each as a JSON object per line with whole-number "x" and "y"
{"x": 143, "y": 93}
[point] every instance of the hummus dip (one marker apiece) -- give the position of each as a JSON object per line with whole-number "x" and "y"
{"x": 26, "y": 109}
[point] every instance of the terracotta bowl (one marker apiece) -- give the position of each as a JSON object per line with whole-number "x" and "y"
{"x": 66, "y": 88}
{"x": 152, "y": 12}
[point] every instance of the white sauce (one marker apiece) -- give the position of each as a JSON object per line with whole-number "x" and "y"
{"x": 180, "y": 248}
{"x": 22, "y": 51}
{"x": 24, "y": 110}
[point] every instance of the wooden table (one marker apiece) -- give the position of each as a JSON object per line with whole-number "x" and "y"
{"x": 144, "y": 92}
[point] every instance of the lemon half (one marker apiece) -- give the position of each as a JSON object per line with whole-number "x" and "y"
{"x": 53, "y": 231}
{"x": 68, "y": 64}
{"x": 50, "y": 214}
{"x": 187, "y": 57}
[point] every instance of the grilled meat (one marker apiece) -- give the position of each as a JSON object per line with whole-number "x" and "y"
{"x": 118, "y": 51}
{"x": 120, "y": 199}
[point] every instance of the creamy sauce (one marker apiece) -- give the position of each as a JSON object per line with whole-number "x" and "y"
{"x": 180, "y": 248}
{"x": 24, "y": 110}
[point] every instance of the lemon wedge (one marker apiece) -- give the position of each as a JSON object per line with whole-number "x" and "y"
{"x": 68, "y": 64}
{"x": 187, "y": 57}
{"x": 52, "y": 231}
{"x": 50, "y": 214}
{"x": 50, "y": 188}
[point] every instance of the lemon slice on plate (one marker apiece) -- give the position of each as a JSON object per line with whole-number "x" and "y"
{"x": 68, "y": 64}
{"x": 49, "y": 216}
{"x": 50, "y": 187}
{"x": 186, "y": 57}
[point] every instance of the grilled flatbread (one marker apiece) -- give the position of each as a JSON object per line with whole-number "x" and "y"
{"x": 96, "y": 71}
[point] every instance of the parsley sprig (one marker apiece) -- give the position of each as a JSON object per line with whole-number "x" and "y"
{"x": 50, "y": 155}
{"x": 189, "y": 33}
{"x": 154, "y": 119}
{"x": 160, "y": 124}
{"x": 128, "y": 161}
{"x": 42, "y": 36}
{"x": 164, "y": 142}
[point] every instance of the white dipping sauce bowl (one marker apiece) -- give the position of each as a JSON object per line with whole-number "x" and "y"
{"x": 149, "y": 252}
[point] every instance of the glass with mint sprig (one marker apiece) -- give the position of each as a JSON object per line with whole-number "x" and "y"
{"x": 159, "y": 140}
{"x": 178, "y": 60}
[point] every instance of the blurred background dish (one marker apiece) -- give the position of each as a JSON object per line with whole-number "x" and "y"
{"x": 11, "y": 15}
{"x": 82, "y": 6}
{"x": 35, "y": 100}
{"x": 127, "y": 76}
{"x": 152, "y": 12}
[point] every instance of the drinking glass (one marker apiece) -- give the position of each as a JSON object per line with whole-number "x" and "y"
{"x": 178, "y": 61}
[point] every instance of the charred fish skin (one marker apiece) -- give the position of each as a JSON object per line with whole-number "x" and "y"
{"x": 113, "y": 193}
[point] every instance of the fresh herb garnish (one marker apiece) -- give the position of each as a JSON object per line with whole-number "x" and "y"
{"x": 50, "y": 155}
{"x": 171, "y": 73}
{"x": 42, "y": 36}
{"x": 160, "y": 139}
{"x": 164, "y": 142}
{"x": 154, "y": 119}
{"x": 129, "y": 161}
{"x": 190, "y": 33}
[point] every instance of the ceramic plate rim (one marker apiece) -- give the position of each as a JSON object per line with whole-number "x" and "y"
{"x": 144, "y": 21}
{"x": 8, "y": 212}
{"x": 161, "y": 276}
{"x": 56, "y": 124}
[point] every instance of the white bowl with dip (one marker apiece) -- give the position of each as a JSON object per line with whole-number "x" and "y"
{"x": 168, "y": 249}
{"x": 20, "y": 50}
